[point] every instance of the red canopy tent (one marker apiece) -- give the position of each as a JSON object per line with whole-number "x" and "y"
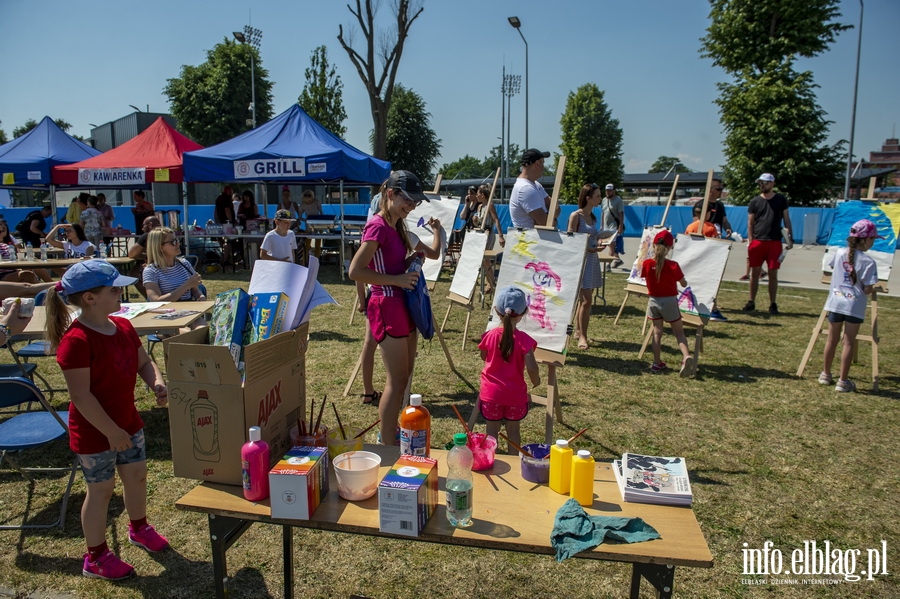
{"x": 154, "y": 156}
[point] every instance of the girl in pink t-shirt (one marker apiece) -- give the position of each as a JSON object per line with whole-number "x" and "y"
{"x": 507, "y": 352}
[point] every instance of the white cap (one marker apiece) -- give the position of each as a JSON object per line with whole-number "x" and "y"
{"x": 610, "y": 186}
{"x": 415, "y": 399}
{"x": 767, "y": 177}
{"x": 584, "y": 453}
{"x": 562, "y": 443}
{"x": 255, "y": 434}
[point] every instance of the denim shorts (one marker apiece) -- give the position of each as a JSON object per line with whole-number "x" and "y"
{"x": 835, "y": 318}
{"x": 100, "y": 467}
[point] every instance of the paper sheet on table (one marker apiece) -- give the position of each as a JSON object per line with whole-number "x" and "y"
{"x": 298, "y": 282}
{"x": 130, "y": 310}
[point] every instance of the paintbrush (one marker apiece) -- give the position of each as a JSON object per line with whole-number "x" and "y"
{"x": 517, "y": 448}
{"x": 458, "y": 415}
{"x": 340, "y": 426}
{"x": 367, "y": 429}
{"x": 321, "y": 409}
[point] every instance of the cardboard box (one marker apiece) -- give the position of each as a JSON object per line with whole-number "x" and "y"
{"x": 298, "y": 482}
{"x": 267, "y": 315}
{"x": 408, "y": 495}
{"x": 211, "y": 409}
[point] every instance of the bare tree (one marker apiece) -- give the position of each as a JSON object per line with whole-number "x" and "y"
{"x": 380, "y": 86}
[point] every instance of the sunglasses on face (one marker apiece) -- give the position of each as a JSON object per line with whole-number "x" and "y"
{"x": 171, "y": 242}
{"x": 409, "y": 200}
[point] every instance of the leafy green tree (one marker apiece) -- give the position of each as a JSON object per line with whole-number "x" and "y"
{"x": 768, "y": 110}
{"x": 467, "y": 167}
{"x": 591, "y": 142}
{"x": 3, "y": 138}
{"x": 382, "y": 49}
{"x": 411, "y": 143}
{"x": 664, "y": 163}
{"x": 31, "y": 124}
{"x": 211, "y": 101}
{"x": 513, "y": 155}
{"x": 322, "y": 95}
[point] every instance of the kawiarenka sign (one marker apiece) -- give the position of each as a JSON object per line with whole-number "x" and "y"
{"x": 270, "y": 168}
{"x": 111, "y": 176}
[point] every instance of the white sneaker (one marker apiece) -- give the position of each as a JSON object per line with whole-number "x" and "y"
{"x": 825, "y": 379}
{"x": 847, "y": 386}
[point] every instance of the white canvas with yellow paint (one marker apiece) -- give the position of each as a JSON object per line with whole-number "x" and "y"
{"x": 547, "y": 265}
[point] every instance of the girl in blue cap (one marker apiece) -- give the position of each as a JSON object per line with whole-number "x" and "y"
{"x": 101, "y": 356}
{"x": 507, "y": 353}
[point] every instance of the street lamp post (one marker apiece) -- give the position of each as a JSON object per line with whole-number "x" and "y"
{"x": 853, "y": 116}
{"x": 515, "y": 22}
{"x": 253, "y": 37}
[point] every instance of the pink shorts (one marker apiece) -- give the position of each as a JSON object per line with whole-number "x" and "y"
{"x": 388, "y": 316}
{"x": 492, "y": 410}
{"x": 764, "y": 251}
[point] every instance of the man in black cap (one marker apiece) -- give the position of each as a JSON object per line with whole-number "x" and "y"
{"x": 529, "y": 202}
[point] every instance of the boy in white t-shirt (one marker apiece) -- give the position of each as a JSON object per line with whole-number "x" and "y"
{"x": 280, "y": 244}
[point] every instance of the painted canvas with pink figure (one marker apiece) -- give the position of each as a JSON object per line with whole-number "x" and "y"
{"x": 547, "y": 265}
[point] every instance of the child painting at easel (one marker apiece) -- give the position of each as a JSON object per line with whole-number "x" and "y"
{"x": 662, "y": 276}
{"x": 854, "y": 275}
{"x": 507, "y": 353}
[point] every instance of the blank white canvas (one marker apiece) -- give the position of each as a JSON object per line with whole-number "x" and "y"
{"x": 702, "y": 260}
{"x": 470, "y": 258}
{"x": 442, "y": 208}
{"x": 547, "y": 265}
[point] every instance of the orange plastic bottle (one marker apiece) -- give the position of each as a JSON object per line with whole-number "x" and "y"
{"x": 415, "y": 428}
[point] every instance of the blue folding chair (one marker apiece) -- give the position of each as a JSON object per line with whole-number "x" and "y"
{"x": 35, "y": 349}
{"x": 29, "y": 428}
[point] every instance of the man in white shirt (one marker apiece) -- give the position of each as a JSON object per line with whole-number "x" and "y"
{"x": 528, "y": 202}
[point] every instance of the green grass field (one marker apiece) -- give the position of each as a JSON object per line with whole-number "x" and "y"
{"x": 772, "y": 458}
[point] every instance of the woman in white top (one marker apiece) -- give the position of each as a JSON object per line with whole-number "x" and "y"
{"x": 76, "y": 244}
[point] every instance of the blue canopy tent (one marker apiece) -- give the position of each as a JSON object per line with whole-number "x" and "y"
{"x": 27, "y": 161}
{"x": 291, "y": 148}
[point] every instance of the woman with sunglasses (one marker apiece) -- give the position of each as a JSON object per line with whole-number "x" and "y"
{"x": 168, "y": 277}
{"x": 385, "y": 253}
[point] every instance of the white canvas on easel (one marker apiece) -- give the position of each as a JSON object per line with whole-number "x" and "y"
{"x": 547, "y": 265}
{"x": 702, "y": 260}
{"x": 469, "y": 264}
{"x": 442, "y": 208}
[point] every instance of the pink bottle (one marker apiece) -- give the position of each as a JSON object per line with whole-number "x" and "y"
{"x": 255, "y": 467}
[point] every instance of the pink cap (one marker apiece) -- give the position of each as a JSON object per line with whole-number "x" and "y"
{"x": 864, "y": 228}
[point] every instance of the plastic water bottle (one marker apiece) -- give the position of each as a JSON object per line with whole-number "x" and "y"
{"x": 582, "y": 487}
{"x": 103, "y": 251}
{"x": 416, "y": 264}
{"x": 29, "y": 252}
{"x": 255, "y": 467}
{"x": 415, "y": 428}
{"x": 561, "y": 467}
{"x": 44, "y": 247}
{"x": 459, "y": 483}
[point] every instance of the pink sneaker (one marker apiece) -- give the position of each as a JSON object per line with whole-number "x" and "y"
{"x": 147, "y": 537}
{"x": 108, "y": 567}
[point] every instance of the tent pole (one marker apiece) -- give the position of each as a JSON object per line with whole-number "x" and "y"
{"x": 342, "y": 229}
{"x": 185, "y": 223}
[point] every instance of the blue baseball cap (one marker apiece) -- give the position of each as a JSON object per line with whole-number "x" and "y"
{"x": 512, "y": 299}
{"x": 91, "y": 274}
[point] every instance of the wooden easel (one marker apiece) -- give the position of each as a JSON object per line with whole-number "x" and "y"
{"x": 553, "y": 360}
{"x": 641, "y": 290}
{"x": 691, "y": 320}
{"x": 455, "y": 298}
{"x": 872, "y": 338}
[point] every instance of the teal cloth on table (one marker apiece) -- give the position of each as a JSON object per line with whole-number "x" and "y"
{"x": 574, "y": 531}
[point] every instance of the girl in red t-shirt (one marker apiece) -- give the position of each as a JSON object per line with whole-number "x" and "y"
{"x": 507, "y": 352}
{"x": 663, "y": 277}
{"x": 100, "y": 357}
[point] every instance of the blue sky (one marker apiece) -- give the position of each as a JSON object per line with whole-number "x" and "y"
{"x": 86, "y": 61}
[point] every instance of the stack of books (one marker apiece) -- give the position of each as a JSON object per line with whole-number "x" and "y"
{"x": 653, "y": 479}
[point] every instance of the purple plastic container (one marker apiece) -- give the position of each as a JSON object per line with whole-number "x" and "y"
{"x": 536, "y": 470}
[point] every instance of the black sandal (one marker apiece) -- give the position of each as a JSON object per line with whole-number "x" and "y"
{"x": 370, "y": 398}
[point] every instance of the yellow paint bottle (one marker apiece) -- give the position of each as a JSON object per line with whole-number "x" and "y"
{"x": 582, "y": 487}
{"x": 560, "y": 467}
